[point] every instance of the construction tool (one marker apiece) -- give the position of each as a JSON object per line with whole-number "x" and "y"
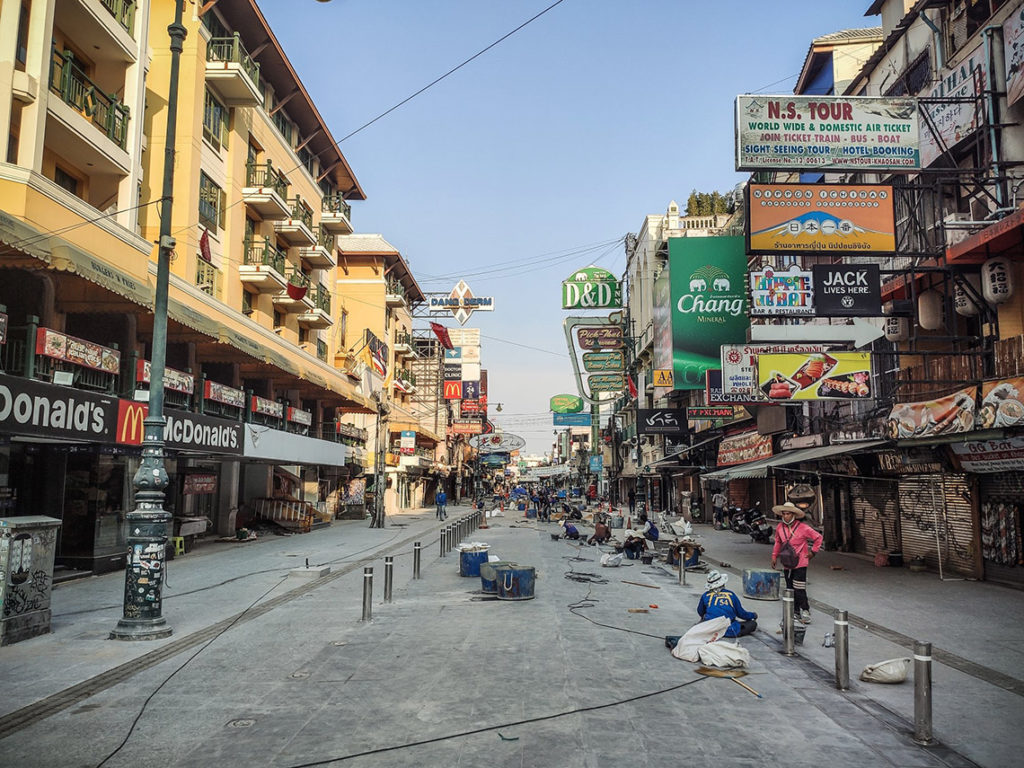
{"x": 731, "y": 674}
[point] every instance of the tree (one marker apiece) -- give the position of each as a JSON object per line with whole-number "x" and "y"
{"x": 706, "y": 203}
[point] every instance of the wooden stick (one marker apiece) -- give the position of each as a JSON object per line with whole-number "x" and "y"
{"x": 638, "y": 584}
{"x": 740, "y": 682}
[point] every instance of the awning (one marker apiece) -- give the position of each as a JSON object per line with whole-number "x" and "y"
{"x": 68, "y": 258}
{"x": 760, "y": 467}
{"x": 197, "y": 321}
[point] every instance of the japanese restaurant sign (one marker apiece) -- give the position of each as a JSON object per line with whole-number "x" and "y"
{"x": 948, "y": 415}
{"x": 815, "y": 376}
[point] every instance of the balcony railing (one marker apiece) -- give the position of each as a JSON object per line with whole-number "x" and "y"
{"x": 298, "y": 277}
{"x": 265, "y": 254}
{"x": 265, "y": 175}
{"x": 123, "y": 11}
{"x": 326, "y": 240}
{"x": 231, "y": 49}
{"x": 403, "y": 338}
{"x": 321, "y": 349}
{"x": 336, "y": 204}
{"x": 302, "y": 213}
{"x": 76, "y": 89}
{"x": 407, "y": 376}
{"x": 322, "y": 299}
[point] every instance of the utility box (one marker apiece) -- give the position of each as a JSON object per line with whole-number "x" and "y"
{"x": 27, "y": 546}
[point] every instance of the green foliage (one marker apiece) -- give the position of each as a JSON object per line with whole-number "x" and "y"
{"x": 706, "y": 203}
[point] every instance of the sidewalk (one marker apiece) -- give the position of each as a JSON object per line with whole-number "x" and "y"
{"x": 443, "y": 677}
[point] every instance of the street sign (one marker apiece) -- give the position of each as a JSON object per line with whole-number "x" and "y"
{"x": 599, "y": 362}
{"x": 663, "y": 378}
{"x": 859, "y": 333}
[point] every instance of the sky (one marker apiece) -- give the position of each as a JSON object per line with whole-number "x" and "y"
{"x": 537, "y": 157}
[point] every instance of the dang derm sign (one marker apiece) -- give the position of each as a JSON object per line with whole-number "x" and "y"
{"x": 707, "y": 305}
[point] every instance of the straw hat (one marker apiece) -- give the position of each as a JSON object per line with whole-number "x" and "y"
{"x": 790, "y": 507}
{"x": 717, "y": 580}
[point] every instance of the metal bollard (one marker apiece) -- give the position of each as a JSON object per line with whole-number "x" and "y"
{"x": 443, "y": 541}
{"x": 788, "y": 633}
{"x": 416, "y": 560}
{"x": 389, "y": 577}
{"x": 923, "y": 693}
{"x": 842, "y": 641}
{"x": 367, "y": 593}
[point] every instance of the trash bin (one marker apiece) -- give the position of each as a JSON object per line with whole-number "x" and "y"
{"x": 27, "y": 546}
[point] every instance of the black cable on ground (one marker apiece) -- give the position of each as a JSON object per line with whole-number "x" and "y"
{"x": 512, "y": 724}
{"x": 167, "y": 679}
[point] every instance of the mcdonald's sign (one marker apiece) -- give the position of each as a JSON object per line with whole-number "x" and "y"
{"x": 453, "y": 390}
{"x": 130, "y": 422}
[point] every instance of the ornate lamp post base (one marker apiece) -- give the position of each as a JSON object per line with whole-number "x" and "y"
{"x": 141, "y": 629}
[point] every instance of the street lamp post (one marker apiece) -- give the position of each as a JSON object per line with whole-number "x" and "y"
{"x": 142, "y": 615}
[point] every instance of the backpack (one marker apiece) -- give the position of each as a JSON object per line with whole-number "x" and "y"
{"x": 653, "y": 534}
{"x": 788, "y": 555}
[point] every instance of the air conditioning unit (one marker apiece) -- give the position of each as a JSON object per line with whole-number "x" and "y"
{"x": 956, "y": 226}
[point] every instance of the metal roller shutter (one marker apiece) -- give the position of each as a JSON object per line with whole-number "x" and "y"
{"x": 876, "y": 516}
{"x": 935, "y": 517}
{"x": 1001, "y": 495}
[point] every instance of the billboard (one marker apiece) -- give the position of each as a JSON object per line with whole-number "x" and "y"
{"x": 774, "y": 292}
{"x": 847, "y": 290}
{"x": 815, "y": 376}
{"x": 571, "y": 419}
{"x": 954, "y": 114}
{"x": 833, "y": 133}
{"x": 591, "y": 288}
{"x": 825, "y": 218}
{"x": 707, "y": 305}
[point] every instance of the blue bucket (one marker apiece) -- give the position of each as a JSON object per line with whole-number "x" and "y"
{"x": 488, "y": 576}
{"x": 515, "y": 582}
{"x": 761, "y": 584}
{"x": 469, "y": 562}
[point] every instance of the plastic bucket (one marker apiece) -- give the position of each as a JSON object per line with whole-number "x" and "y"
{"x": 760, "y": 584}
{"x": 488, "y": 575}
{"x": 616, "y": 522}
{"x": 515, "y": 582}
{"x": 469, "y": 562}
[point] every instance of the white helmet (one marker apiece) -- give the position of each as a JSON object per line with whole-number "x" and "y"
{"x": 717, "y": 580}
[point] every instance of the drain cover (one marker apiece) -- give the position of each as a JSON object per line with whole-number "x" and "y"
{"x": 242, "y": 723}
{"x": 300, "y": 675}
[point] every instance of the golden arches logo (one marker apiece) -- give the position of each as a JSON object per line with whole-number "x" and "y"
{"x": 131, "y": 419}
{"x": 453, "y": 390}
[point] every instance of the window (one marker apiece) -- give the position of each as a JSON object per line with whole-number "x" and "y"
{"x": 21, "y": 51}
{"x": 212, "y": 203}
{"x": 215, "y": 122}
{"x": 66, "y": 180}
{"x": 246, "y": 303}
{"x": 213, "y": 25}
{"x": 283, "y": 125}
{"x": 303, "y": 335}
{"x": 309, "y": 160}
{"x": 278, "y": 320}
{"x": 208, "y": 279}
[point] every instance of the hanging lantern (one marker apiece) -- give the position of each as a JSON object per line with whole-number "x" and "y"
{"x": 896, "y": 328}
{"x": 965, "y": 300}
{"x": 997, "y": 280}
{"x": 929, "y": 310}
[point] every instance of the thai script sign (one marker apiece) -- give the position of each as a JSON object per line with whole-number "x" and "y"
{"x": 714, "y": 395}
{"x": 595, "y": 362}
{"x": 815, "y": 376}
{"x": 60, "y": 346}
{"x": 791, "y": 218}
{"x": 739, "y": 366}
{"x": 954, "y": 115}
{"x": 591, "y": 288}
{"x": 744, "y": 447}
{"x": 781, "y": 293}
{"x": 834, "y": 133}
{"x": 661, "y": 421}
{"x": 603, "y": 337}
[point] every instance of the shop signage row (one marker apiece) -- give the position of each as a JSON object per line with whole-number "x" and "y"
{"x": 176, "y": 381}
{"x": 220, "y": 393}
{"x": 61, "y": 346}
{"x": 826, "y": 290}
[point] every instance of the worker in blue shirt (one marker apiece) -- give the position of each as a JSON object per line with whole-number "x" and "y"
{"x": 719, "y": 601}
{"x": 441, "y": 499}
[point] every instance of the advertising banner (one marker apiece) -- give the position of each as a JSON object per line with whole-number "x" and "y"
{"x": 596, "y": 464}
{"x": 29, "y": 407}
{"x": 183, "y": 430}
{"x": 708, "y": 304}
{"x": 407, "y": 442}
{"x": 743, "y": 448}
{"x": 466, "y": 427}
{"x": 955, "y": 113}
{"x": 817, "y": 376}
{"x": 603, "y": 337}
{"x": 837, "y": 133}
{"x": 596, "y": 362}
{"x": 789, "y": 293}
{"x": 1013, "y": 55}
{"x": 88, "y": 354}
{"x": 571, "y": 419}
{"x": 566, "y": 404}
{"x": 177, "y": 381}
{"x": 470, "y": 390}
{"x": 847, "y": 290}
{"x": 991, "y": 455}
{"x": 491, "y": 443}
{"x": 661, "y": 421}
{"x": 591, "y": 288}
{"x": 1002, "y": 403}
{"x": 606, "y": 382}
{"x": 220, "y": 393}
{"x": 948, "y": 415}
{"x": 453, "y": 390}
{"x": 822, "y": 218}
{"x": 739, "y": 366}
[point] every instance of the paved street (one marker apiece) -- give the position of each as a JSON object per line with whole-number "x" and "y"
{"x": 265, "y": 669}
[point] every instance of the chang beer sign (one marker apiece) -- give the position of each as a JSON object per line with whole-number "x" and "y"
{"x": 707, "y": 304}
{"x": 566, "y": 404}
{"x": 591, "y": 288}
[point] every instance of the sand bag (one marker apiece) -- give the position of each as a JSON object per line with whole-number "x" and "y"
{"x": 890, "y": 671}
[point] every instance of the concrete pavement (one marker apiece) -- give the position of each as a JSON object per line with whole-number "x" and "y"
{"x": 266, "y": 670}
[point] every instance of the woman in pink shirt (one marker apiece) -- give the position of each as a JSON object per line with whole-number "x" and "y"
{"x": 805, "y": 542}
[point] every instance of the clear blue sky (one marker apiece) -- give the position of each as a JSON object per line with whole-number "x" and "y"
{"x": 552, "y": 145}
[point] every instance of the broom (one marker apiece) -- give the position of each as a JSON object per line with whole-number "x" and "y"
{"x": 731, "y": 674}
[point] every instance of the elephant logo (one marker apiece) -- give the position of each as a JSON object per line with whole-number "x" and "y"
{"x": 721, "y": 284}
{"x": 698, "y": 284}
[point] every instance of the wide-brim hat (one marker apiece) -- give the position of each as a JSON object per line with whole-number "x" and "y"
{"x": 798, "y": 513}
{"x": 717, "y": 580}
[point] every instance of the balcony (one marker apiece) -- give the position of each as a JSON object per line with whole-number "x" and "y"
{"x": 320, "y": 315}
{"x": 266, "y": 191}
{"x": 105, "y": 112}
{"x": 336, "y": 214}
{"x": 296, "y": 297}
{"x": 321, "y": 255}
{"x": 405, "y": 381}
{"x": 123, "y": 12}
{"x": 297, "y": 229}
{"x": 263, "y": 267}
{"x": 232, "y": 73}
{"x": 403, "y": 345}
{"x": 395, "y": 294}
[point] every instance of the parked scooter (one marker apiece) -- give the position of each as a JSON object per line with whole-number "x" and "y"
{"x": 760, "y": 528}
{"x": 739, "y": 520}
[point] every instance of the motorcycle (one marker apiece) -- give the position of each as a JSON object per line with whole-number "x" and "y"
{"x": 760, "y": 528}
{"x": 739, "y": 520}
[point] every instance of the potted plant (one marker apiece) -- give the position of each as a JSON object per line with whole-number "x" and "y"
{"x": 297, "y": 286}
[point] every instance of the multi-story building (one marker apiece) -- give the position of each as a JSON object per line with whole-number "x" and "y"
{"x": 258, "y": 349}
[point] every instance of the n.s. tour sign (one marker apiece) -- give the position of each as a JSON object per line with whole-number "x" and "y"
{"x": 591, "y": 288}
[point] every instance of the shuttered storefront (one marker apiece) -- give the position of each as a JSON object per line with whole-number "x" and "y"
{"x": 876, "y": 516}
{"x": 935, "y": 519}
{"x": 1001, "y": 496}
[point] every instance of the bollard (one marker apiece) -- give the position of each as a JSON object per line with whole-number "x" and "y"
{"x": 842, "y": 641}
{"x": 923, "y": 693}
{"x": 389, "y": 574}
{"x": 416, "y": 560}
{"x": 443, "y": 535}
{"x": 788, "y": 635}
{"x": 367, "y": 593}
{"x": 682, "y": 569}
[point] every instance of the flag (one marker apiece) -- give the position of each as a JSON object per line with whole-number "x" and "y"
{"x": 632, "y": 386}
{"x": 442, "y": 335}
{"x": 204, "y": 246}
